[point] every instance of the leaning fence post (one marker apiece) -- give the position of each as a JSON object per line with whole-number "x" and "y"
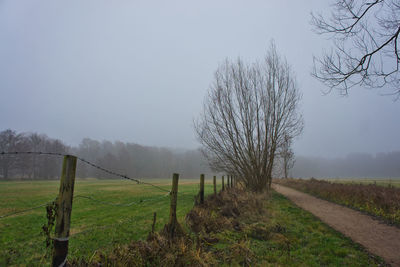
{"x": 63, "y": 212}
{"x": 223, "y": 183}
{"x": 215, "y": 185}
{"x": 201, "y": 188}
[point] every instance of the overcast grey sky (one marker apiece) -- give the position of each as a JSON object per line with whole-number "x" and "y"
{"x": 137, "y": 71}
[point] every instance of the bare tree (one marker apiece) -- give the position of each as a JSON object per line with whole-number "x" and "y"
{"x": 248, "y": 111}
{"x": 366, "y": 45}
{"x": 287, "y": 156}
{"x": 9, "y": 141}
{"x": 37, "y": 142}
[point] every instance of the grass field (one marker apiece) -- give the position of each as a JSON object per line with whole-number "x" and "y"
{"x": 98, "y": 227}
{"x": 94, "y": 225}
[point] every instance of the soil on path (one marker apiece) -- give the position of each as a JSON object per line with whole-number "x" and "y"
{"x": 378, "y": 238}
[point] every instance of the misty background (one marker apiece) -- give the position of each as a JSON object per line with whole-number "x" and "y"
{"x": 135, "y": 73}
{"x": 140, "y": 161}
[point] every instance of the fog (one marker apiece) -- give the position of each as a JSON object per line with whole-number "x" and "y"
{"x": 138, "y": 71}
{"x": 355, "y": 165}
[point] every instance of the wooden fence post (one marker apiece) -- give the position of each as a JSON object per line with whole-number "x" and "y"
{"x": 223, "y": 183}
{"x": 201, "y": 188}
{"x": 172, "y": 225}
{"x": 63, "y": 212}
{"x": 215, "y": 185}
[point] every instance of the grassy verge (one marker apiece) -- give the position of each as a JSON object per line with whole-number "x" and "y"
{"x": 306, "y": 241}
{"x": 294, "y": 237}
{"x": 382, "y": 202}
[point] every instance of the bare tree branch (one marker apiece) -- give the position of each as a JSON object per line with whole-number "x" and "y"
{"x": 365, "y": 49}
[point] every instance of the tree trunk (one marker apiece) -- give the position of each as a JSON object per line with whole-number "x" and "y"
{"x": 270, "y": 166}
{"x": 285, "y": 167}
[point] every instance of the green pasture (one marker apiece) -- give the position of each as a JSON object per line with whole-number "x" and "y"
{"x": 95, "y": 225}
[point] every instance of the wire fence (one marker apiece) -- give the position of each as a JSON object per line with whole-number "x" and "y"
{"x": 87, "y": 197}
{"x": 91, "y": 198}
{"x": 120, "y": 204}
{"x": 23, "y": 211}
{"x": 116, "y": 174}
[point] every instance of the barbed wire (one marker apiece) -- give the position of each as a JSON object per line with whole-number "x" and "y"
{"x": 155, "y": 186}
{"x": 86, "y": 162}
{"x": 121, "y": 223}
{"x": 120, "y": 204}
{"x": 102, "y": 227}
{"x": 23, "y": 211}
{"x": 120, "y": 175}
{"x": 107, "y": 171}
{"x": 32, "y": 153}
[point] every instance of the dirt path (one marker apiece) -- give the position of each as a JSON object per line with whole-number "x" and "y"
{"x": 378, "y": 238}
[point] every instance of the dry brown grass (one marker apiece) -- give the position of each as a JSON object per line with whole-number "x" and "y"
{"x": 223, "y": 210}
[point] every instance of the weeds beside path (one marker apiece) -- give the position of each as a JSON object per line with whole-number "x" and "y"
{"x": 378, "y": 238}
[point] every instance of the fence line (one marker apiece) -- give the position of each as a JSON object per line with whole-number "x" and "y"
{"x": 94, "y": 200}
{"x": 60, "y": 213}
{"x": 120, "y": 204}
{"x": 32, "y": 153}
{"x": 123, "y": 176}
{"x": 23, "y": 211}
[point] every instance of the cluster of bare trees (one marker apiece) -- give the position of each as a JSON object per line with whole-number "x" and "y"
{"x": 249, "y": 115}
{"x": 29, "y": 166}
{"x": 138, "y": 161}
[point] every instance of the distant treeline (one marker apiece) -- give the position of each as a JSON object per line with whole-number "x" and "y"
{"x": 126, "y": 158}
{"x": 357, "y": 165}
{"x": 154, "y": 162}
{"x": 138, "y": 161}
